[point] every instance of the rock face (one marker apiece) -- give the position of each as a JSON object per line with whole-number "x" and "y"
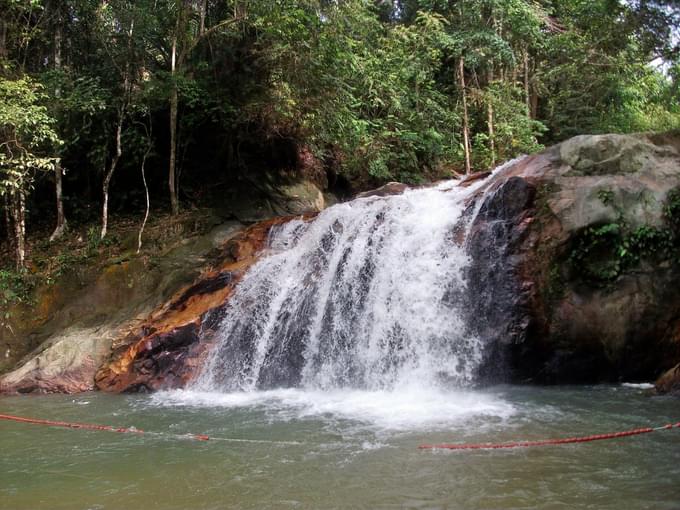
{"x": 65, "y": 364}
{"x": 166, "y": 349}
{"x": 576, "y": 262}
{"x": 73, "y": 323}
{"x": 669, "y": 382}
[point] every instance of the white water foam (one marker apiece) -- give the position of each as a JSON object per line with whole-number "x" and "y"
{"x": 399, "y": 410}
{"x": 639, "y": 386}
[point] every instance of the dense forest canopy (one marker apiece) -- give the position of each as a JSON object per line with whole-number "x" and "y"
{"x": 201, "y": 91}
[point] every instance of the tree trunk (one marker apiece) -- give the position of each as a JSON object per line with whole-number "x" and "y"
{"x": 8, "y": 223}
{"x": 527, "y": 99}
{"x": 61, "y": 217}
{"x": 489, "y": 121}
{"x": 60, "y": 228}
{"x": 146, "y": 191}
{"x": 466, "y": 128}
{"x": 122, "y": 109}
{"x": 203, "y": 8}
{"x": 3, "y": 37}
{"x": 109, "y": 175}
{"x": 534, "y": 95}
{"x": 174, "y": 101}
{"x": 19, "y": 220}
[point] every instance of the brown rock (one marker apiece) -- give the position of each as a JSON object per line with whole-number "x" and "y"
{"x": 166, "y": 349}
{"x": 669, "y": 382}
{"x": 472, "y": 178}
{"x": 391, "y": 188}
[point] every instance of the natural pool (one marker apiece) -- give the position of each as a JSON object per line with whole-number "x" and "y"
{"x": 343, "y": 449}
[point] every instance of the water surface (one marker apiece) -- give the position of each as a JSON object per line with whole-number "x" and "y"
{"x": 342, "y": 449}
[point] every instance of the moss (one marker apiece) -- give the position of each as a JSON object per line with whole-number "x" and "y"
{"x": 556, "y": 285}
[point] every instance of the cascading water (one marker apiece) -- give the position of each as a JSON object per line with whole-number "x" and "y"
{"x": 367, "y": 296}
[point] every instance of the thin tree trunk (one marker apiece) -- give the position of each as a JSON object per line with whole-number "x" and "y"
{"x": 119, "y": 131}
{"x": 19, "y": 221}
{"x": 534, "y": 103}
{"x": 174, "y": 100}
{"x": 534, "y": 94}
{"x": 527, "y": 99}
{"x": 203, "y": 8}
{"x": 466, "y": 128}
{"x": 146, "y": 191}
{"x": 489, "y": 121}
{"x": 8, "y": 223}
{"x": 109, "y": 174}
{"x": 61, "y": 217}
{"x": 60, "y": 228}
{"x": 3, "y": 37}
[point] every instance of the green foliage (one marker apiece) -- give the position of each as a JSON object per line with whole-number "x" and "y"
{"x": 600, "y": 254}
{"x": 370, "y": 88}
{"x": 606, "y": 196}
{"x": 15, "y": 287}
{"x": 27, "y": 136}
{"x": 672, "y": 210}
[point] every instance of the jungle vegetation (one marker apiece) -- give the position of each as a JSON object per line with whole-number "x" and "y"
{"x": 125, "y": 105}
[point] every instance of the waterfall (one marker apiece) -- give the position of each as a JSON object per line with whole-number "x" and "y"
{"x": 369, "y": 295}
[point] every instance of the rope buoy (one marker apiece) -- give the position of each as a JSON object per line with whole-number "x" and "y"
{"x": 90, "y": 426}
{"x": 545, "y": 442}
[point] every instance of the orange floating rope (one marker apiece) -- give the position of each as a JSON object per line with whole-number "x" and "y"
{"x": 545, "y": 442}
{"x": 90, "y": 426}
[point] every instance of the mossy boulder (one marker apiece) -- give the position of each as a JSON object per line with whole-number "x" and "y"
{"x": 582, "y": 282}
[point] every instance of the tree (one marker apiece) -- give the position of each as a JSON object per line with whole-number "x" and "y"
{"x": 28, "y": 144}
{"x": 185, "y": 36}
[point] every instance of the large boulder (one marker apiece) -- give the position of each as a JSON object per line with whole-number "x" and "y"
{"x": 576, "y": 262}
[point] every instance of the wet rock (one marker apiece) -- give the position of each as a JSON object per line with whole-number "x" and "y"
{"x": 472, "y": 178}
{"x": 556, "y": 295}
{"x": 391, "y": 188}
{"x": 58, "y": 344}
{"x": 252, "y": 202}
{"x": 167, "y": 348}
{"x": 669, "y": 382}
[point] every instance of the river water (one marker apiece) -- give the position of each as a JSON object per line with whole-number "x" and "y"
{"x": 342, "y": 449}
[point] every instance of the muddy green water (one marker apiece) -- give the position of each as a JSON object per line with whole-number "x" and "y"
{"x": 296, "y": 449}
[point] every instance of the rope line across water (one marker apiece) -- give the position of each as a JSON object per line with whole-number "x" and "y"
{"x": 134, "y": 430}
{"x": 445, "y": 446}
{"x": 91, "y": 426}
{"x": 546, "y": 442}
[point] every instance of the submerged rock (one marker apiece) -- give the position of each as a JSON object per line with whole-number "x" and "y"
{"x": 576, "y": 269}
